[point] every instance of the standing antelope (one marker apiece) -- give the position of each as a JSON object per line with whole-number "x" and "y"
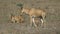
{"x": 33, "y": 12}
{"x": 16, "y": 19}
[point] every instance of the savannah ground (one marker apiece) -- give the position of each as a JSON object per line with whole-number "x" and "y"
{"x": 52, "y": 25}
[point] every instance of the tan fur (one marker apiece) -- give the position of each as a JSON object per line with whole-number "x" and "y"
{"x": 34, "y": 12}
{"x": 16, "y": 19}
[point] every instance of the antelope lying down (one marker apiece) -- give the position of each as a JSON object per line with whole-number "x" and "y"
{"x": 16, "y": 19}
{"x": 33, "y": 12}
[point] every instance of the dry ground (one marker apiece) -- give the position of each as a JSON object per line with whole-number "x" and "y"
{"x": 52, "y": 26}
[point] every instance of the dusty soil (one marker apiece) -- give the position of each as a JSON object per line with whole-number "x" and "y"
{"x": 51, "y": 26}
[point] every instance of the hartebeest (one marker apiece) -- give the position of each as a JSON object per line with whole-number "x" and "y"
{"x": 16, "y": 19}
{"x": 33, "y": 12}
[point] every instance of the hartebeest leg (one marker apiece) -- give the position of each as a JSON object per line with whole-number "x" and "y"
{"x": 42, "y": 21}
{"x": 34, "y": 22}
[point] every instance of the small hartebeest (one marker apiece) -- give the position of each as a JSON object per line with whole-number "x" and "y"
{"x": 16, "y": 19}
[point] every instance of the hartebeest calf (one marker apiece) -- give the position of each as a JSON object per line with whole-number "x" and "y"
{"x": 16, "y": 19}
{"x": 33, "y": 12}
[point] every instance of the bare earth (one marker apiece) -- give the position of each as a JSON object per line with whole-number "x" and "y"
{"x": 52, "y": 25}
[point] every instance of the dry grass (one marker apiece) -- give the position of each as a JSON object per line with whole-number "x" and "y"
{"x": 53, "y": 17}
